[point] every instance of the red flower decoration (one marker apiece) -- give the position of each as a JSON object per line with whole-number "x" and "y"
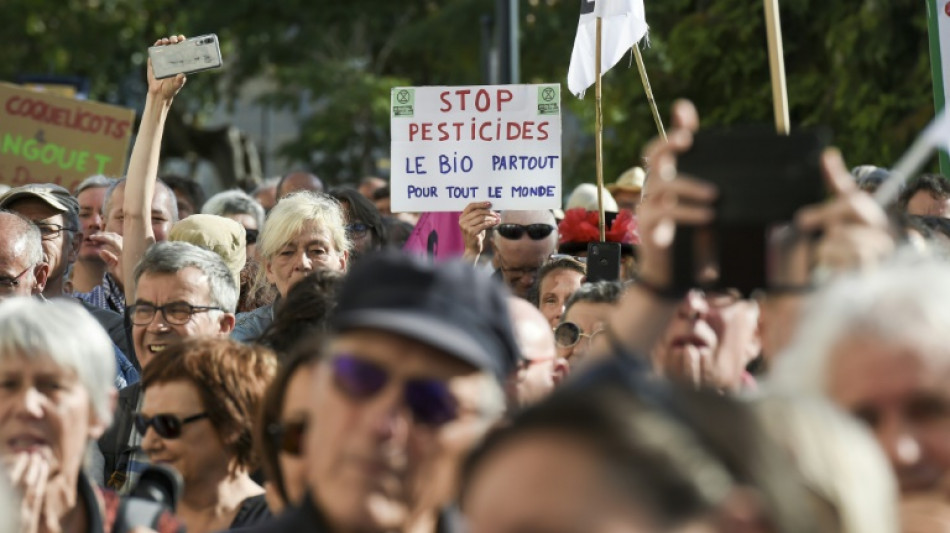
{"x": 581, "y": 225}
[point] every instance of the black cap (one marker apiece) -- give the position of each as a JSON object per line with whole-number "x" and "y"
{"x": 451, "y": 306}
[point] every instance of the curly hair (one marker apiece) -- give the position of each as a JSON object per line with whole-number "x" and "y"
{"x": 230, "y": 378}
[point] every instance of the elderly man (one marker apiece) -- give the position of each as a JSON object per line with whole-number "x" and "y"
{"x": 23, "y": 271}
{"x": 109, "y": 293}
{"x": 180, "y": 291}
{"x": 540, "y": 369}
{"x": 409, "y": 382}
{"x": 522, "y": 241}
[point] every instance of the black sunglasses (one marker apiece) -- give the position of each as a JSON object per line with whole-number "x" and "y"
{"x": 288, "y": 436}
{"x": 515, "y": 231}
{"x": 429, "y": 400}
{"x": 250, "y": 236}
{"x": 167, "y": 426}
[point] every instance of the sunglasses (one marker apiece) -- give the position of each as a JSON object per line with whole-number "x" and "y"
{"x": 288, "y": 436}
{"x": 568, "y": 334}
{"x": 357, "y": 229}
{"x": 250, "y": 236}
{"x": 516, "y": 231}
{"x": 429, "y": 400}
{"x": 167, "y": 426}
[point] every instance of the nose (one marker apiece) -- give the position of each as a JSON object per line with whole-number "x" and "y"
{"x": 158, "y": 322}
{"x": 899, "y": 442}
{"x": 151, "y": 442}
{"x": 31, "y": 402}
{"x": 389, "y": 416}
{"x": 303, "y": 261}
{"x": 694, "y": 306}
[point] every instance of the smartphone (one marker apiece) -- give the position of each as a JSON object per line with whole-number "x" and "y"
{"x": 763, "y": 178}
{"x": 191, "y": 55}
{"x": 603, "y": 261}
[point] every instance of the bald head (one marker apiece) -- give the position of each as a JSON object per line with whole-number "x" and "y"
{"x": 298, "y": 181}
{"x": 541, "y": 370}
{"x": 21, "y": 256}
{"x": 518, "y": 259}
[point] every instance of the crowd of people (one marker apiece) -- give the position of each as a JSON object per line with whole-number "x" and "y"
{"x": 271, "y": 360}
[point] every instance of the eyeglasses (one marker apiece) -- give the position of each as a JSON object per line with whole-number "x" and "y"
{"x": 175, "y": 313}
{"x": 166, "y": 425}
{"x": 250, "y": 236}
{"x": 568, "y": 334}
{"x": 429, "y": 400}
{"x": 357, "y": 229}
{"x": 516, "y": 272}
{"x": 14, "y": 282}
{"x": 515, "y": 231}
{"x": 720, "y": 298}
{"x": 558, "y": 257}
{"x": 288, "y": 436}
{"x": 49, "y": 231}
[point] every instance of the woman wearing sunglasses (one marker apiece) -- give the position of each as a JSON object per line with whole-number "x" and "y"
{"x": 200, "y": 399}
{"x": 585, "y": 318}
{"x": 280, "y": 430}
{"x": 364, "y": 224}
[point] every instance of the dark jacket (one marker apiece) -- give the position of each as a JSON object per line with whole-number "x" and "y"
{"x": 114, "y": 443}
{"x": 306, "y": 517}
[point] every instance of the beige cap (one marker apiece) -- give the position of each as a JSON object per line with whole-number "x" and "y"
{"x": 585, "y": 195}
{"x": 53, "y": 195}
{"x": 630, "y": 181}
{"x": 222, "y": 236}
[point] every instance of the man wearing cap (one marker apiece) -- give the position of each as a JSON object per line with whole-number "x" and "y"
{"x": 55, "y": 213}
{"x": 411, "y": 379}
{"x": 627, "y": 189}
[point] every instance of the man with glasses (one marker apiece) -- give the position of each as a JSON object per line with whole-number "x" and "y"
{"x": 55, "y": 213}
{"x": 22, "y": 269}
{"x": 181, "y": 291}
{"x": 522, "y": 241}
{"x": 411, "y": 379}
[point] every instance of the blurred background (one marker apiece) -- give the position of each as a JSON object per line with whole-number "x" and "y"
{"x": 306, "y": 83}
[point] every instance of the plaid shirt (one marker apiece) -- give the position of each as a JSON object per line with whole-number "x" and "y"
{"x": 106, "y": 295}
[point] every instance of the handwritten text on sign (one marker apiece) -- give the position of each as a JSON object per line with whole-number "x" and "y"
{"x": 456, "y": 145}
{"x": 46, "y": 138}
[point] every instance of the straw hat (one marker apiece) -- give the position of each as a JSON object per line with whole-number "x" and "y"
{"x": 630, "y": 181}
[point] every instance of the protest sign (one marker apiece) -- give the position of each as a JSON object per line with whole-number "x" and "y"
{"x": 455, "y": 145}
{"x": 46, "y": 138}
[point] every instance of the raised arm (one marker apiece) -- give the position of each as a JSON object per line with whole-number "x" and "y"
{"x": 143, "y": 170}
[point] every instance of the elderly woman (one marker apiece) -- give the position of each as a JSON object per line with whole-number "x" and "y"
{"x": 243, "y": 209}
{"x": 200, "y": 400}
{"x": 56, "y": 396}
{"x": 304, "y": 232}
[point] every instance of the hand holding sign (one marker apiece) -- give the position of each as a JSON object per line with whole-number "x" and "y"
{"x": 474, "y": 221}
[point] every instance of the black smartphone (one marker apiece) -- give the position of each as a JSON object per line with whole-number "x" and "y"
{"x": 763, "y": 178}
{"x": 603, "y": 261}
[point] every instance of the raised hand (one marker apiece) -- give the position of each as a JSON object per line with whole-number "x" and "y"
{"x": 165, "y": 89}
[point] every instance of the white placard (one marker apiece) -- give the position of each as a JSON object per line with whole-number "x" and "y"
{"x": 455, "y": 145}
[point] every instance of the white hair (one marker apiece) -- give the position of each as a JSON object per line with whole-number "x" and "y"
{"x": 234, "y": 202}
{"x": 905, "y": 302}
{"x": 66, "y": 333}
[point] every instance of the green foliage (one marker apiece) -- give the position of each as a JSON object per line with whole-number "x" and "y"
{"x": 862, "y": 68}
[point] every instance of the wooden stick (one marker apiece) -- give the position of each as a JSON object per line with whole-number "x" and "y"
{"x": 599, "y": 136}
{"x": 649, "y": 91}
{"x": 773, "y": 29}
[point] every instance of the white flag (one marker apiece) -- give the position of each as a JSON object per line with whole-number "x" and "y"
{"x": 624, "y": 24}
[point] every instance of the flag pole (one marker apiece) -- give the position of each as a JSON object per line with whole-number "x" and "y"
{"x": 599, "y": 136}
{"x": 773, "y": 30}
{"x": 649, "y": 91}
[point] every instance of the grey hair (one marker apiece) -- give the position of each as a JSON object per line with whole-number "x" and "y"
{"x": 171, "y": 257}
{"x": 601, "y": 292}
{"x": 234, "y": 202}
{"x": 97, "y": 181}
{"x": 159, "y": 184}
{"x": 29, "y": 235}
{"x": 903, "y": 302}
{"x": 66, "y": 333}
{"x": 266, "y": 184}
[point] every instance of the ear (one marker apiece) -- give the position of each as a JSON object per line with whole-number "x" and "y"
{"x": 97, "y": 426}
{"x": 40, "y": 275}
{"x": 755, "y": 343}
{"x": 226, "y": 323}
{"x": 269, "y": 272}
{"x": 560, "y": 370}
{"x": 344, "y": 261}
